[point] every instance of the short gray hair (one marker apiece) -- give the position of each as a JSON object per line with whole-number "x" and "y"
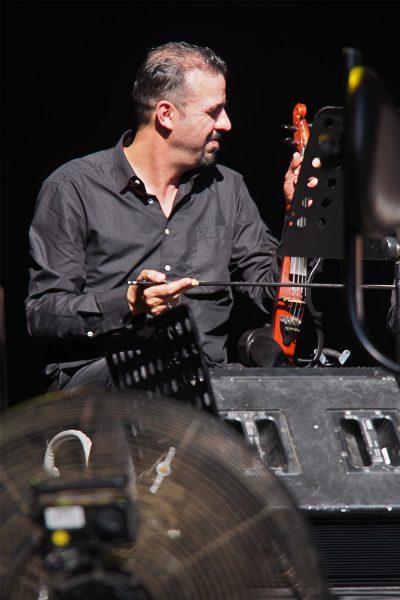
{"x": 163, "y": 72}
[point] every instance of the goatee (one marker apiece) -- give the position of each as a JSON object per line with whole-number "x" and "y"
{"x": 208, "y": 159}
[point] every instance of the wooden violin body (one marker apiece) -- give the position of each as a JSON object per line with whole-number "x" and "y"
{"x": 290, "y": 301}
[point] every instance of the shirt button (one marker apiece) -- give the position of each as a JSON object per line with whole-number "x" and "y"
{"x": 166, "y": 231}
{"x": 167, "y": 267}
{"x": 90, "y": 334}
{"x": 150, "y": 201}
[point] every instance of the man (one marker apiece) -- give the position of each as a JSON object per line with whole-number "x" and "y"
{"x": 156, "y": 206}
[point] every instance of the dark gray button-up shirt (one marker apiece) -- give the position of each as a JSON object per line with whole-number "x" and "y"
{"x": 95, "y": 227}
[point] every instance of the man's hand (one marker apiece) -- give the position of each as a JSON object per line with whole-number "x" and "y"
{"x": 292, "y": 175}
{"x": 157, "y": 299}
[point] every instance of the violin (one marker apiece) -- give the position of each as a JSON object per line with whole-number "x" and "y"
{"x": 290, "y": 300}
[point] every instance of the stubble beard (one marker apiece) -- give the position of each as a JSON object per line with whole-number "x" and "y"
{"x": 208, "y": 158}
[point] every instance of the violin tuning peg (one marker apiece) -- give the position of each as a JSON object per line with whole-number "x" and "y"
{"x": 289, "y": 142}
{"x": 289, "y": 127}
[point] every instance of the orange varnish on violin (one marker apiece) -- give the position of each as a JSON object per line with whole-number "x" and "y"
{"x": 290, "y": 301}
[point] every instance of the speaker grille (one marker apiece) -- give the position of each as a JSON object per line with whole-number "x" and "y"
{"x": 358, "y": 549}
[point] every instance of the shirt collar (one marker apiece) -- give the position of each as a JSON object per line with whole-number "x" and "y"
{"x": 124, "y": 171}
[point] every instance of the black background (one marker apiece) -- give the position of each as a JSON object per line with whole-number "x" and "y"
{"x": 67, "y": 73}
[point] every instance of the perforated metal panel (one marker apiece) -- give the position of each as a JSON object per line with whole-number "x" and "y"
{"x": 162, "y": 355}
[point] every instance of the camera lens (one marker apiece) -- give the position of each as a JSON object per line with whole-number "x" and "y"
{"x": 110, "y": 523}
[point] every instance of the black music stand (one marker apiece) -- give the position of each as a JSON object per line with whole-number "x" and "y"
{"x": 164, "y": 356}
{"x": 372, "y": 188}
{"x": 357, "y": 199}
{"x": 314, "y": 224}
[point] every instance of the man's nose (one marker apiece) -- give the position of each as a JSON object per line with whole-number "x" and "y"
{"x": 223, "y": 123}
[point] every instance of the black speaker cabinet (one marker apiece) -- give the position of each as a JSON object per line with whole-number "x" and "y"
{"x": 333, "y": 436}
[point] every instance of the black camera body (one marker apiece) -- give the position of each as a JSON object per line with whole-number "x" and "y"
{"x": 87, "y": 511}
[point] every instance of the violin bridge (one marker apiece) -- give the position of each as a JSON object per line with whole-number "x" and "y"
{"x": 291, "y": 300}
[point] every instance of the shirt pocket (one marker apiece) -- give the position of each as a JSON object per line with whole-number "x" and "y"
{"x": 213, "y": 249}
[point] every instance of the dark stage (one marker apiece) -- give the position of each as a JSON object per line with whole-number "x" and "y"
{"x": 67, "y": 74}
{"x": 67, "y": 71}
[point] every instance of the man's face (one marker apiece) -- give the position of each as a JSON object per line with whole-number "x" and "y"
{"x": 202, "y": 119}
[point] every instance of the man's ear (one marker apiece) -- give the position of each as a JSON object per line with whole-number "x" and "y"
{"x": 166, "y": 114}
